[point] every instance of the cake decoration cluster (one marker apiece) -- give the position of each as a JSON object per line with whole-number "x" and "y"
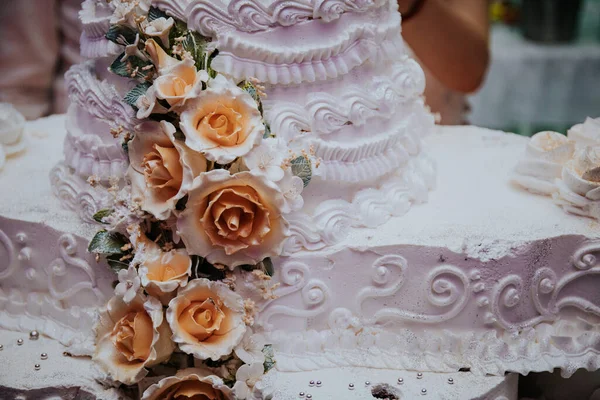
{"x": 567, "y": 168}
{"x": 207, "y": 191}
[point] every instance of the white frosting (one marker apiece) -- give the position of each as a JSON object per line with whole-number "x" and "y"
{"x": 92, "y": 154}
{"x": 214, "y": 16}
{"x": 99, "y": 98}
{"x": 95, "y": 20}
{"x": 324, "y": 51}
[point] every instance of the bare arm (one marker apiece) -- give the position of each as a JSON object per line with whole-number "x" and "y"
{"x": 450, "y": 37}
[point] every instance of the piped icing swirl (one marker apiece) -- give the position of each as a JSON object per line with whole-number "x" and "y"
{"x": 213, "y": 16}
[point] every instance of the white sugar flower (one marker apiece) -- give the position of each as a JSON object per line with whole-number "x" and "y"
{"x": 126, "y": 11}
{"x": 123, "y": 12}
{"x": 224, "y": 123}
{"x": 147, "y": 104}
{"x": 129, "y": 284}
{"x": 246, "y": 377}
{"x": 250, "y": 349}
{"x": 291, "y": 186}
{"x": 267, "y": 158}
{"x": 132, "y": 50}
{"x": 160, "y": 28}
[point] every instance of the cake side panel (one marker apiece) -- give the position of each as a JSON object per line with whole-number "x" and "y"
{"x": 50, "y": 283}
{"x": 433, "y": 309}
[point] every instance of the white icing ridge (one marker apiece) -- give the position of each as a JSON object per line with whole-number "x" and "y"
{"x": 210, "y": 17}
{"x": 88, "y": 155}
{"x": 95, "y": 19}
{"x": 323, "y": 113}
{"x": 76, "y": 194}
{"x": 50, "y": 286}
{"x": 359, "y": 40}
{"x": 330, "y": 222}
{"x": 565, "y": 345}
{"x": 174, "y": 8}
{"x": 565, "y": 168}
{"x": 99, "y": 98}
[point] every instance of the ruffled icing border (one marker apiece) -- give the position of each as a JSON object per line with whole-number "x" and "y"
{"x": 88, "y": 155}
{"x": 99, "y": 98}
{"x": 567, "y": 345}
{"x": 240, "y": 57}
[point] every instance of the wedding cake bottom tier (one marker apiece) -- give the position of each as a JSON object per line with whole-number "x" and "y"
{"x": 484, "y": 276}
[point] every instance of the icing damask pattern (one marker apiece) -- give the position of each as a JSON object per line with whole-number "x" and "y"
{"x": 547, "y": 291}
{"x": 212, "y": 16}
{"x": 54, "y": 290}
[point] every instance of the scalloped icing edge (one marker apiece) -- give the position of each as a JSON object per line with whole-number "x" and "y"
{"x": 331, "y": 220}
{"x": 536, "y": 349}
{"x": 322, "y": 113}
{"x": 211, "y": 17}
{"x": 370, "y": 158}
{"x": 99, "y": 98}
{"x": 315, "y": 65}
{"x": 88, "y": 155}
{"x": 174, "y": 8}
{"x": 97, "y": 47}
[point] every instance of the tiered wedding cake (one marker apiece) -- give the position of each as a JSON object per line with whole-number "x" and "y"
{"x": 257, "y": 173}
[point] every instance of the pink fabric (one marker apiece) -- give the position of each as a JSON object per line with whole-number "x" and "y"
{"x": 40, "y": 39}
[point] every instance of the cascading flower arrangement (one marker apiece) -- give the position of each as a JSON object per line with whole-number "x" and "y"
{"x": 207, "y": 191}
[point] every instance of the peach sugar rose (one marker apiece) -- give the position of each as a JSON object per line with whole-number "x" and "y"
{"x": 224, "y": 123}
{"x": 131, "y": 337}
{"x": 161, "y": 168}
{"x": 233, "y": 219}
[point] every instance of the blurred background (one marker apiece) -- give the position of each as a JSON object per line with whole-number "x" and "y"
{"x": 545, "y": 66}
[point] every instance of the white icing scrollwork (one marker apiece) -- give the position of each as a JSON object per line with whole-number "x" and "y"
{"x": 547, "y": 291}
{"x": 7, "y": 261}
{"x": 295, "y": 277}
{"x": 448, "y": 288}
{"x": 209, "y": 17}
{"x": 58, "y": 269}
{"x": 324, "y": 113}
{"x": 77, "y": 195}
{"x": 58, "y": 298}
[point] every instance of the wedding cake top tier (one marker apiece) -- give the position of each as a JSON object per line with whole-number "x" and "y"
{"x": 339, "y": 102}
